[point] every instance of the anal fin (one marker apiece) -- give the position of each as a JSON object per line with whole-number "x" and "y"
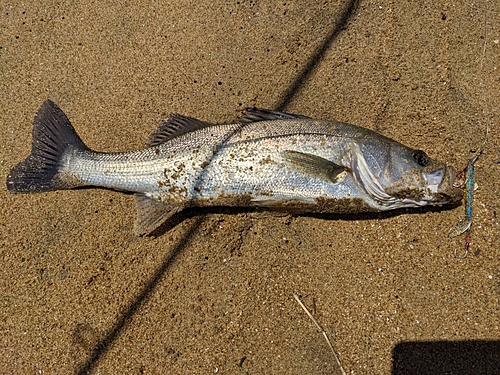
{"x": 151, "y": 213}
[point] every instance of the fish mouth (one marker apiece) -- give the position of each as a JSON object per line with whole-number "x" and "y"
{"x": 440, "y": 185}
{"x": 434, "y": 179}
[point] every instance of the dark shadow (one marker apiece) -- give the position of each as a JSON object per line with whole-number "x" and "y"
{"x": 446, "y": 358}
{"x": 339, "y": 25}
{"x": 103, "y": 346}
{"x": 191, "y": 212}
{"x": 360, "y": 216}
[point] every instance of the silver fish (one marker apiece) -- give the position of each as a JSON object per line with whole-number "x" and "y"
{"x": 266, "y": 158}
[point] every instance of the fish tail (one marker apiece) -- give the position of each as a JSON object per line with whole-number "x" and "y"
{"x": 53, "y": 138}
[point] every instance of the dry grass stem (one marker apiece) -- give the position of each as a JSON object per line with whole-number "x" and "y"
{"x": 325, "y": 335}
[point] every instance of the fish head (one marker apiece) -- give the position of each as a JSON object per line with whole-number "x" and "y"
{"x": 396, "y": 176}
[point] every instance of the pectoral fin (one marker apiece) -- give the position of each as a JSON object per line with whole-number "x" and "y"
{"x": 313, "y": 165}
{"x": 151, "y": 213}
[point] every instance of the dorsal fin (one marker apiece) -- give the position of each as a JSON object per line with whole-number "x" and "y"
{"x": 174, "y": 126}
{"x": 254, "y": 114}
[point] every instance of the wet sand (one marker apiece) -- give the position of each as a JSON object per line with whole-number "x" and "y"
{"x": 214, "y": 294}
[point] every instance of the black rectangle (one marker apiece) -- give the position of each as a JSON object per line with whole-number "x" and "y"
{"x": 446, "y": 357}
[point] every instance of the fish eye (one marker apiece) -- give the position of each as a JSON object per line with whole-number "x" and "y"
{"x": 421, "y": 158}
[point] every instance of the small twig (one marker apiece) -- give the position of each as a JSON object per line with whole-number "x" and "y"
{"x": 325, "y": 335}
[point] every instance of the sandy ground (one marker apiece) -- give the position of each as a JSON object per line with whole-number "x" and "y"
{"x": 214, "y": 294}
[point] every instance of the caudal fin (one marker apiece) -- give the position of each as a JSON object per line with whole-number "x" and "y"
{"x": 53, "y": 138}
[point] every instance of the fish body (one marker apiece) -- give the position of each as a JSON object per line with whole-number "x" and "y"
{"x": 265, "y": 159}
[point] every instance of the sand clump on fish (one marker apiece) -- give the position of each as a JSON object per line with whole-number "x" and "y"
{"x": 266, "y": 158}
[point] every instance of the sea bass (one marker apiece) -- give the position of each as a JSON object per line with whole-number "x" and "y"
{"x": 264, "y": 159}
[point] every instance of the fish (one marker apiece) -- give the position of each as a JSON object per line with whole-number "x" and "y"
{"x": 268, "y": 159}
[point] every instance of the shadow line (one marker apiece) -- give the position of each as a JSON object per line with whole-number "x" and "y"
{"x": 341, "y": 24}
{"x": 122, "y": 321}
